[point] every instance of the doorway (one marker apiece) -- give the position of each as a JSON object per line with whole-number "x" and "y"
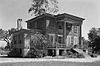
{"x": 51, "y": 52}
{"x": 61, "y": 52}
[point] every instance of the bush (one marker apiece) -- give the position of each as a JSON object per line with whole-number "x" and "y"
{"x": 93, "y": 55}
{"x": 35, "y": 54}
{"x": 80, "y": 56}
{"x": 14, "y": 53}
{"x": 70, "y": 54}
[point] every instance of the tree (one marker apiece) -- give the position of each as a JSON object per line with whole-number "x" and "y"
{"x": 6, "y": 35}
{"x": 39, "y": 44}
{"x": 94, "y": 39}
{"x": 39, "y": 7}
{"x": 39, "y": 41}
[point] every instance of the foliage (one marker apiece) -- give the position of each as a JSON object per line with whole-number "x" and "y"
{"x": 94, "y": 39}
{"x": 92, "y": 34}
{"x": 38, "y": 7}
{"x": 6, "y": 35}
{"x": 71, "y": 54}
{"x": 39, "y": 40}
{"x": 14, "y": 53}
{"x": 39, "y": 44}
{"x": 33, "y": 53}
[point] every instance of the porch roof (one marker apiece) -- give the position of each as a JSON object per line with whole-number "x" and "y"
{"x": 69, "y": 16}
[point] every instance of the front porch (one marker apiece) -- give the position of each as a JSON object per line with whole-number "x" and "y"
{"x": 56, "y": 51}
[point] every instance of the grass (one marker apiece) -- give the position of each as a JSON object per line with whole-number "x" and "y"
{"x": 51, "y": 63}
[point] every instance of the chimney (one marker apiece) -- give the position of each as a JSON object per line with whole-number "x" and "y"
{"x": 19, "y": 26}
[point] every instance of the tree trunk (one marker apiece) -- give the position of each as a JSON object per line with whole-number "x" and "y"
{"x": 7, "y": 47}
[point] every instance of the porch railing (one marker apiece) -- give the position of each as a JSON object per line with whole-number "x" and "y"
{"x": 57, "y": 45}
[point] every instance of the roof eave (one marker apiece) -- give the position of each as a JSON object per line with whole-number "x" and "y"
{"x": 70, "y": 16}
{"x": 39, "y": 17}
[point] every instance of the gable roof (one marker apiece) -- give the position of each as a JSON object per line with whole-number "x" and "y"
{"x": 56, "y": 16}
{"x": 41, "y": 16}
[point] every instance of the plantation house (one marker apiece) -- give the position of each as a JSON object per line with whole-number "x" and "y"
{"x": 64, "y": 32}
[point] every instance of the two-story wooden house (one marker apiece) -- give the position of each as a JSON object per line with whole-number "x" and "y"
{"x": 64, "y": 31}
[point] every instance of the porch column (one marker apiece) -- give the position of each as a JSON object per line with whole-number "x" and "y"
{"x": 64, "y": 36}
{"x": 57, "y": 52}
{"x": 80, "y": 31}
{"x": 53, "y": 52}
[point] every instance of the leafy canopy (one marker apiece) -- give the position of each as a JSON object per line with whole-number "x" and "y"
{"x": 6, "y": 35}
{"x": 94, "y": 39}
{"x": 40, "y": 7}
{"x": 39, "y": 41}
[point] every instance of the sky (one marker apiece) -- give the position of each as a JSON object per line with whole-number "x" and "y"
{"x": 11, "y": 10}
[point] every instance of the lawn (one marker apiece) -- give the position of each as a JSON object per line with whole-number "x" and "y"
{"x": 6, "y": 61}
{"x": 51, "y": 63}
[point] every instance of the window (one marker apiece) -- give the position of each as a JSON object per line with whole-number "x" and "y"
{"x": 68, "y": 26}
{"x": 72, "y": 40}
{"x": 52, "y": 38}
{"x": 47, "y": 23}
{"x": 59, "y": 39}
{"x": 60, "y": 26}
{"x": 69, "y": 40}
{"x": 19, "y": 40}
{"x": 75, "y": 29}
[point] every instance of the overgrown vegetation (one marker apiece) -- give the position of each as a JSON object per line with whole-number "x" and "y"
{"x": 73, "y": 54}
{"x": 6, "y": 35}
{"x": 94, "y": 40}
{"x": 14, "y": 53}
{"x": 39, "y": 44}
{"x": 39, "y": 7}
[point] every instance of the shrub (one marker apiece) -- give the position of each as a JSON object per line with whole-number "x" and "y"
{"x": 35, "y": 54}
{"x": 71, "y": 54}
{"x": 14, "y": 53}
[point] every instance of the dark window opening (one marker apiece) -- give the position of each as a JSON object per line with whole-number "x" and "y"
{"x": 60, "y": 25}
{"x": 72, "y": 40}
{"x": 51, "y": 39}
{"x": 75, "y": 29}
{"x": 59, "y": 39}
{"x": 68, "y": 26}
